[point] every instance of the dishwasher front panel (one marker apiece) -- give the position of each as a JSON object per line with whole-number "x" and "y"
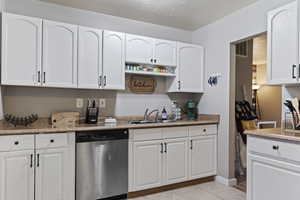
{"x": 102, "y": 169}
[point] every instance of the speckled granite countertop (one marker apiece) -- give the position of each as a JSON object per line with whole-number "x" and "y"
{"x": 43, "y": 126}
{"x": 276, "y": 133}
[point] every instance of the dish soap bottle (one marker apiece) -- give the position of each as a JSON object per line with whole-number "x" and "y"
{"x": 164, "y": 114}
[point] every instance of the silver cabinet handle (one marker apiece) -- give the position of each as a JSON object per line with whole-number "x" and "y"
{"x": 161, "y": 148}
{"x": 191, "y": 144}
{"x": 38, "y": 160}
{"x": 104, "y": 80}
{"x": 100, "y": 81}
{"x": 293, "y": 72}
{"x": 31, "y": 160}
{"x": 44, "y": 77}
{"x": 39, "y": 76}
{"x": 166, "y": 147}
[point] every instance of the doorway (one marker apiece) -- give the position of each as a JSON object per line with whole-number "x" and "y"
{"x": 252, "y": 91}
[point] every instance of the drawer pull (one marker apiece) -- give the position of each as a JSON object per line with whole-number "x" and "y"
{"x": 16, "y": 142}
{"x": 52, "y": 141}
{"x": 275, "y": 147}
{"x": 204, "y": 130}
{"x": 161, "y": 148}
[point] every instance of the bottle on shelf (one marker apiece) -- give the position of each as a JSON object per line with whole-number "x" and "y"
{"x": 164, "y": 114}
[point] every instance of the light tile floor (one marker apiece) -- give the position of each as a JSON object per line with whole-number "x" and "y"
{"x": 205, "y": 191}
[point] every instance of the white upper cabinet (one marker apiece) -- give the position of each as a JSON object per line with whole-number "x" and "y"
{"x": 113, "y": 60}
{"x": 89, "y": 57}
{"x": 165, "y": 52}
{"x": 283, "y": 45}
{"x": 59, "y": 54}
{"x": 139, "y": 49}
{"x": 190, "y": 69}
{"x": 21, "y": 49}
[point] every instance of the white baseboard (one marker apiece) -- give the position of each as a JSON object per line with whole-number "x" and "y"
{"x": 226, "y": 181}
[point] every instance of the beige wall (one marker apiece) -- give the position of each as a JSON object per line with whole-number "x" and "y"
{"x": 43, "y": 101}
{"x": 244, "y": 75}
{"x": 269, "y": 97}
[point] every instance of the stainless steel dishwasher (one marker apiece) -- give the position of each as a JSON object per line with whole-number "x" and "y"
{"x": 102, "y": 165}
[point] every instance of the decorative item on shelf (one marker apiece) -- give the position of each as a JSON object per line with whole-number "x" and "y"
{"x": 192, "y": 110}
{"x": 142, "y": 85}
{"x": 293, "y": 107}
{"x": 21, "y": 121}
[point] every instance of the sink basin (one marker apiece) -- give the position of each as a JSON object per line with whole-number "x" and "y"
{"x": 150, "y": 121}
{"x": 142, "y": 122}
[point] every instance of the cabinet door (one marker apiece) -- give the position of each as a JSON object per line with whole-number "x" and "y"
{"x": 147, "y": 164}
{"x": 139, "y": 49}
{"x": 176, "y": 161}
{"x": 89, "y": 57}
{"x": 165, "y": 52}
{"x": 203, "y": 156}
{"x": 272, "y": 179}
{"x": 191, "y": 67}
{"x": 53, "y": 177}
{"x": 113, "y": 60}
{"x": 17, "y": 175}
{"x": 21, "y": 49}
{"x": 283, "y": 45}
{"x": 59, "y": 54}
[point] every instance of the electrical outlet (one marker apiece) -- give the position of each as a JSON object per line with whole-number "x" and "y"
{"x": 102, "y": 103}
{"x": 79, "y": 103}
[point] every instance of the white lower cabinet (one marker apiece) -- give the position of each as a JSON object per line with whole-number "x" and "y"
{"x": 52, "y": 176}
{"x": 273, "y": 170}
{"x": 165, "y": 156}
{"x": 17, "y": 175}
{"x": 43, "y": 171}
{"x": 147, "y": 167}
{"x": 203, "y": 160}
{"x": 176, "y": 160}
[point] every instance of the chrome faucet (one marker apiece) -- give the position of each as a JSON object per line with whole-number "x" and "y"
{"x": 147, "y": 115}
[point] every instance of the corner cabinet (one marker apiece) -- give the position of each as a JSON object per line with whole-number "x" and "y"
{"x": 40, "y": 167}
{"x": 283, "y": 45}
{"x": 171, "y": 155}
{"x": 21, "y": 53}
{"x": 190, "y": 69}
{"x": 59, "y": 54}
{"x": 273, "y": 169}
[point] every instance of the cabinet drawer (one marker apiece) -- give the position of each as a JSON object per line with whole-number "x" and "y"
{"x": 51, "y": 140}
{"x": 175, "y": 132}
{"x": 274, "y": 148}
{"x": 16, "y": 142}
{"x": 203, "y": 130}
{"x": 146, "y": 134}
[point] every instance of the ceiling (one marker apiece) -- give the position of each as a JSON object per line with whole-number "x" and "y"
{"x": 184, "y": 14}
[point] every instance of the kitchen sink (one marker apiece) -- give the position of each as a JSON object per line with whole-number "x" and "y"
{"x": 150, "y": 121}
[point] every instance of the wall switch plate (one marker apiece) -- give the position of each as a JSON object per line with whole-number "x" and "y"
{"x": 79, "y": 103}
{"x": 102, "y": 103}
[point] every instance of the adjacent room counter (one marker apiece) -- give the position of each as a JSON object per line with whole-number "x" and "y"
{"x": 43, "y": 126}
{"x": 276, "y": 133}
